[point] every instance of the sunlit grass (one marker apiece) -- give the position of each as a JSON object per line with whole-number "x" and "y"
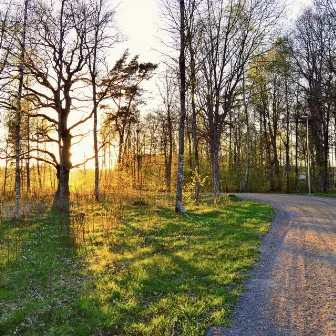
{"x": 128, "y": 270}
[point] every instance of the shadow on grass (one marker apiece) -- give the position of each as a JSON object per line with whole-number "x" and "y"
{"x": 179, "y": 274}
{"x": 153, "y": 274}
{"x": 41, "y": 282}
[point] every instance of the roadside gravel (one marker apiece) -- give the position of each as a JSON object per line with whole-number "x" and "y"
{"x": 292, "y": 289}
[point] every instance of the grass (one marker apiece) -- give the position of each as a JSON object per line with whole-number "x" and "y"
{"x": 330, "y": 193}
{"x": 122, "y": 269}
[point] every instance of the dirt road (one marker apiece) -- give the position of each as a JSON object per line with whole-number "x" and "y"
{"x": 292, "y": 290}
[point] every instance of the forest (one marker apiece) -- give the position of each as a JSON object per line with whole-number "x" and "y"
{"x": 245, "y": 102}
{"x": 231, "y": 110}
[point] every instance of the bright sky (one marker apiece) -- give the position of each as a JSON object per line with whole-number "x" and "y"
{"x": 138, "y": 21}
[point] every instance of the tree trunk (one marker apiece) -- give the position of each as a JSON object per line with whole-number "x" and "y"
{"x": 93, "y": 72}
{"x": 287, "y": 138}
{"x": 170, "y": 154}
{"x": 238, "y": 147}
{"x": 95, "y": 143}
{"x": 297, "y": 143}
{"x": 182, "y": 69}
{"x": 194, "y": 121}
{"x": 19, "y": 115}
{"x": 28, "y": 155}
{"x": 215, "y": 145}
{"x": 248, "y": 141}
{"x": 62, "y": 196}
{"x": 6, "y": 171}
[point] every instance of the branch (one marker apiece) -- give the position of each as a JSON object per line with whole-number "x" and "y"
{"x": 54, "y": 121}
{"x": 49, "y": 153}
{"x": 88, "y": 159}
{"x": 43, "y": 160}
{"x": 82, "y": 121}
{"x": 80, "y": 164}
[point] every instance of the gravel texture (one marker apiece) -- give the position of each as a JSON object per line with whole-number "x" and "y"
{"x": 292, "y": 289}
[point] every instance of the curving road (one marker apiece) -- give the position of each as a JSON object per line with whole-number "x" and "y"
{"x": 292, "y": 290}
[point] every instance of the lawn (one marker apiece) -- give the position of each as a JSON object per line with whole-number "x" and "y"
{"x": 124, "y": 269}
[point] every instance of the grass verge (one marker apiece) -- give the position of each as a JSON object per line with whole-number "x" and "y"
{"x": 147, "y": 272}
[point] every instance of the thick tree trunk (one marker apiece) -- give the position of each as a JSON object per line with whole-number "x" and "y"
{"x": 63, "y": 190}
{"x": 62, "y": 196}
{"x": 319, "y": 128}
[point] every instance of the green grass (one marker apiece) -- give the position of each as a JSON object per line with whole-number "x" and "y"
{"x": 145, "y": 272}
{"x": 330, "y": 193}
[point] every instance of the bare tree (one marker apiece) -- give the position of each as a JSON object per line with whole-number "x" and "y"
{"x": 311, "y": 47}
{"x": 167, "y": 96}
{"x": 123, "y": 86}
{"x": 18, "y": 112}
{"x": 193, "y": 39}
{"x": 6, "y": 40}
{"x": 57, "y": 65}
{"x": 233, "y": 34}
{"x": 97, "y": 40}
{"x": 182, "y": 71}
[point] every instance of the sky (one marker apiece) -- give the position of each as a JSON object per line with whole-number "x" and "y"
{"x": 138, "y": 20}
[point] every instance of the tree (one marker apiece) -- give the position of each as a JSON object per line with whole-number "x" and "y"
{"x": 6, "y": 39}
{"x": 167, "y": 96}
{"x": 123, "y": 87}
{"x": 97, "y": 40}
{"x": 57, "y": 67}
{"x": 270, "y": 76}
{"x": 233, "y": 34}
{"x": 19, "y": 112}
{"x": 193, "y": 37}
{"x": 182, "y": 72}
{"x": 311, "y": 48}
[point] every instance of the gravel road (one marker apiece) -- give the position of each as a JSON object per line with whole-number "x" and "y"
{"x": 292, "y": 289}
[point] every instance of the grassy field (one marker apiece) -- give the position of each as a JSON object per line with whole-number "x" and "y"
{"x": 127, "y": 268}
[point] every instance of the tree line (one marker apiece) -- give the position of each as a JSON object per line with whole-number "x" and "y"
{"x": 233, "y": 88}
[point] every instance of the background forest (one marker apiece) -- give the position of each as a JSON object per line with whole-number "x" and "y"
{"x": 249, "y": 79}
